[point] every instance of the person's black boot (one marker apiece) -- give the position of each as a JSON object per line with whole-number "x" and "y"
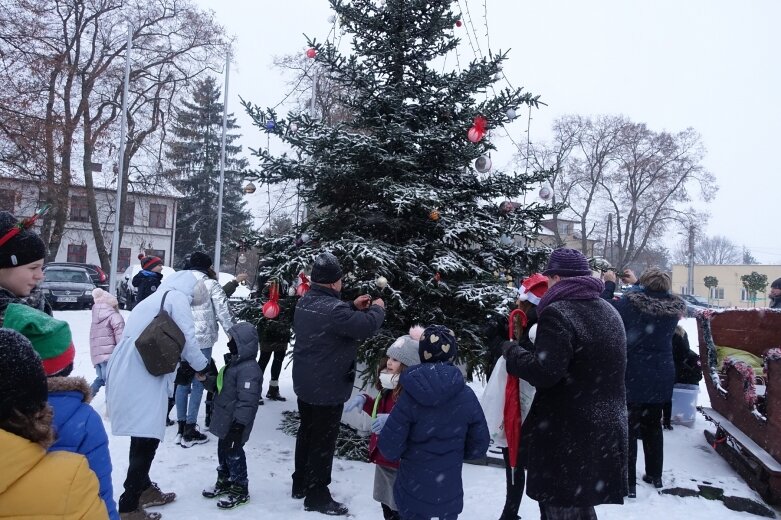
{"x": 330, "y": 508}
{"x": 273, "y": 393}
{"x": 168, "y": 420}
{"x": 656, "y": 481}
{"x": 192, "y": 436}
{"x": 180, "y": 432}
{"x": 220, "y": 488}
{"x": 237, "y": 496}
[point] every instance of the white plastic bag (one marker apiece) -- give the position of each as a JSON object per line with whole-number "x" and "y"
{"x": 492, "y": 402}
{"x": 527, "y": 396}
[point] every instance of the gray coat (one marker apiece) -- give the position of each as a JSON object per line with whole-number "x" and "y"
{"x": 237, "y": 401}
{"x": 328, "y": 331}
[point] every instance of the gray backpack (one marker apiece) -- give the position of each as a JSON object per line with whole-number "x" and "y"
{"x": 160, "y": 343}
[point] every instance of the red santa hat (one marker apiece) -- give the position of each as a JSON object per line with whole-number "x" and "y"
{"x": 533, "y": 288}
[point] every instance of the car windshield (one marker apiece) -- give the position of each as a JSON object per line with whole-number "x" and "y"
{"x": 66, "y": 275}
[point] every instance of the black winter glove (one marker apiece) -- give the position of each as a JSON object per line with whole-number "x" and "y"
{"x": 507, "y": 346}
{"x": 234, "y": 437}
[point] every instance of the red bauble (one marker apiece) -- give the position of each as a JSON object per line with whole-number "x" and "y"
{"x": 271, "y": 309}
{"x": 303, "y": 287}
{"x": 474, "y": 135}
{"x": 311, "y": 53}
{"x": 458, "y": 23}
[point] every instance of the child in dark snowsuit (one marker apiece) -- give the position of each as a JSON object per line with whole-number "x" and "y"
{"x": 436, "y": 424}
{"x": 237, "y": 389}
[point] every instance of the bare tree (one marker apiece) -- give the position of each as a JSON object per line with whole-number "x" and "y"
{"x": 655, "y": 173}
{"x": 68, "y": 56}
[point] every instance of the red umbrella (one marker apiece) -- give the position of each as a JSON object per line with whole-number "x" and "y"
{"x": 512, "y": 400}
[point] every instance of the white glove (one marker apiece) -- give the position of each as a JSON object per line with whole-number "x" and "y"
{"x": 379, "y": 422}
{"x": 355, "y": 402}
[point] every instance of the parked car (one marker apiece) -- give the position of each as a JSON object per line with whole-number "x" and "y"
{"x": 697, "y": 301}
{"x": 67, "y": 287}
{"x": 126, "y": 292}
{"x": 96, "y": 273}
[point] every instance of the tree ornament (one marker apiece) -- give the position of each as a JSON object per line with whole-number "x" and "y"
{"x": 381, "y": 282}
{"x": 434, "y": 215}
{"x": 508, "y": 207}
{"x": 483, "y": 164}
{"x": 271, "y": 307}
{"x": 303, "y": 286}
{"x": 545, "y": 193}
{"x": 249, "y": 188}
{"x": 305, "y": 237}
{"x": 459, "y": 23}
{"x": 477, "y": 132}
{"x": 293, "y": 128}
{"x": 270, "y": 125}
{"x": 311, "y": 53}
{"x": 505, "y": 240}
{"x": 332, "y": 19}
{"x": 291, "y": 291}
{"x": 511, "y": 114}
{"x": 437, "y": 277}
{"x": 242, "y": 259}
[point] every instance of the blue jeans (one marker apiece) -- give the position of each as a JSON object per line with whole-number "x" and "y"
{"x": 233, "y": 463}
{"x": 188, "y": 410}
{"x": 100, "y": 377}
{"x": 413, "y": 516}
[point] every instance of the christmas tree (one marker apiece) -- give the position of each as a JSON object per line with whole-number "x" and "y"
{"x": 395, "y": 192}
{"x": 194, "y": 155}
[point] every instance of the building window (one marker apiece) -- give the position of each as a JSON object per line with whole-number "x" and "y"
{"x": 747, "y": 296}
{"x": 79, "y": 210}
{"x": 130, "y": 213}
{"x": 157, "y": 215}
{"x": 717, "y": 293}
{"x": 684, "y": 289}
{"x": 159, "y": 253}
{"x": 8, "y": 201}
{"x": 77, "y": 253}
{"x": 124, "y": 259}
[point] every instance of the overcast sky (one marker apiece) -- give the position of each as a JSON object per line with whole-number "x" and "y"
{"x": 710, "y": 64}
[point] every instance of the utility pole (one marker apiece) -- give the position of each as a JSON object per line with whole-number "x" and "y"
{"x": 690, "y": 281}
{"x": 218, "y": 240}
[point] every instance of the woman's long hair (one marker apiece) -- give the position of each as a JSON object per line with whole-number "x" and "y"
{"x": 35, "y": 427}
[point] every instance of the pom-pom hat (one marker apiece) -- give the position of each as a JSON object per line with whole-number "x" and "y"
{"x": 149, "y": 262}
{"x": 533, "y": 288}
{"x": 438, "y": 343}
{"x": 200, "y": 261}
{"x": 405, "y": 348}
{"x": 51, "y": 338}
{"x": 567, "y": 262}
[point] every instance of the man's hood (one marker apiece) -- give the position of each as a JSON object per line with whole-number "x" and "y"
{"x": 432, "y": 384}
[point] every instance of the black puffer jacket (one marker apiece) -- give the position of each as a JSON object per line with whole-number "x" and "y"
{"x": 237, "y": 400}
{"x": 328, "y": 331}
{"x": 146, "y": 282}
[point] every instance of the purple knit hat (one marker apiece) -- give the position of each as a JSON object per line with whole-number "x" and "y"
{"x": 567, "y": 262}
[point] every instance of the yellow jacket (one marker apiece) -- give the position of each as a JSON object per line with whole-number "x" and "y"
{"x": 38, "y": 485}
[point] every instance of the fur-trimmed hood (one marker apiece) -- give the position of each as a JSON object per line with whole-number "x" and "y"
{"x": 70, "y": 384}
{"x": 657, "y": 303}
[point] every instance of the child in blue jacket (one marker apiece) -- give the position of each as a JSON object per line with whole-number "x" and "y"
{"x": 436, "y": 424}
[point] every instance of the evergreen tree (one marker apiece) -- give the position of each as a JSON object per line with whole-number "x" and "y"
{"x": 393, "y": 191}
{"x": 194, "y": 155}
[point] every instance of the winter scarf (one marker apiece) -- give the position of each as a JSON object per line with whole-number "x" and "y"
{"x": 572, "y": 288}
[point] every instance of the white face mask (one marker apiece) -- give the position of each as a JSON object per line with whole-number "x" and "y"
{"x": 388, "y": 380}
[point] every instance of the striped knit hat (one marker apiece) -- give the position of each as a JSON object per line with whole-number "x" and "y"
{"x": 51, "y": 338}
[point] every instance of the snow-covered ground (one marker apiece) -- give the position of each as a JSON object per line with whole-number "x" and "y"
{"x": 688, "y": 460}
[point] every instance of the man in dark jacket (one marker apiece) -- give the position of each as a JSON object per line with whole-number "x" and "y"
{"x": 327, "y": 331}
{"x": 576, "y": 430}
